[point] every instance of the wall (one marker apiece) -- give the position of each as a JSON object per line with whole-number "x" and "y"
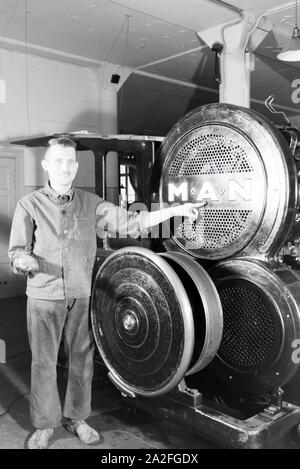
{"x": 149, "y": 106}
{"x": 60, "y": 97}
{"x": 45, "y": 96}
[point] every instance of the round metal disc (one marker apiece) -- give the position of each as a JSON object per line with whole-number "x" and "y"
{"x": 142, "y": 321}
{"x": 261, "y": 322}
{"x": 213, "y": 161}
{"x": 240, "y": 164}
{"x": 206, "y": 306}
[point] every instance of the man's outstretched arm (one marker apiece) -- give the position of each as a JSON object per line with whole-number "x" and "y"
{"x": 118, "y": 221}
{"x": 189, "y": 210}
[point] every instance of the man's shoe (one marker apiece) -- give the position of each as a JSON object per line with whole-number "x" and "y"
{"x": 86, "y": 434}
{"x": 40, "y": 439}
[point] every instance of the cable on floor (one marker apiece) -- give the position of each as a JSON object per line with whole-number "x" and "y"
{"x": 13, "y": 403}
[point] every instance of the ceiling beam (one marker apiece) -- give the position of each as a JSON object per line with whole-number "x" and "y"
{"x": 173, "y": 81}
{"x": 21, "y": 46}
{"x": 171, "y": 57}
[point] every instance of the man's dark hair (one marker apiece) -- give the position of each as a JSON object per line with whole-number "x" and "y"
{"x": 62, "y": 141}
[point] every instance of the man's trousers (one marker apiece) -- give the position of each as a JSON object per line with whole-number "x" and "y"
{"x": 47, "y": 321}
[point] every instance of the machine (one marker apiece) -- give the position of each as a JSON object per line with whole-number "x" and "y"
{"x": 203, "y": 325}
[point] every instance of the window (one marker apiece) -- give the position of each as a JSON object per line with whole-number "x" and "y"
{"x": 127, "y": 191}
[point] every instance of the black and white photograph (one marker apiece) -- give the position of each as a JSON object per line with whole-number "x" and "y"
{"x": 149, "y": 227}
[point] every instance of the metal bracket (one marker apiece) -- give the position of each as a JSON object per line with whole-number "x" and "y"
{"x": 185, "y": 396}
{"x": 270, "y": 107}
{"x": 218, "y": 49}
{"x": 278, "y": 398}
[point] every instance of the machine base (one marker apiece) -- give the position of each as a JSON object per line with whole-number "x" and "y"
{"x": 271, "y": 428}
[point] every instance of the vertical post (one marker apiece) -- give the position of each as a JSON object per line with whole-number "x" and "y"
{"x": 144, "y": 164}
{"x": 99, "y": 167}
{"x": 109, "y": 84}
{"x": 236, "y": 58}
{"x": 236, "y": 65}
{"x": 2, "y": 351}
{"x": 2, "y": 91}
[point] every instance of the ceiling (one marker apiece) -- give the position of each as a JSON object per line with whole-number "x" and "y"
{"x": 151, "y": 36}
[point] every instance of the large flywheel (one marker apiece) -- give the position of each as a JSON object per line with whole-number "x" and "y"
{"x": 144, "y": 321}
{"x": 206, "y": 307}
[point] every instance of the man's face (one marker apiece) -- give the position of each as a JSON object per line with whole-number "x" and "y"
{"x": 61, "y": 164}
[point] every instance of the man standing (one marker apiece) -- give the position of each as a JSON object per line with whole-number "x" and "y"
{"x": 53, "y": 241}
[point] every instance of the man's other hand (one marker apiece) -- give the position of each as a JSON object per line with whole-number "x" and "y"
{"x": 27, "y": 263}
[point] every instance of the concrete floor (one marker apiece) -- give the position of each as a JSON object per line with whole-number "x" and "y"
{"x": 121, "y": 427}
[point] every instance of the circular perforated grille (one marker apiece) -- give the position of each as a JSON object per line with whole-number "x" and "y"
{"x": 251, "y": 327}
{"x": 218, "y": 164}
{"x": 210, "y": 154}
{"x": 218, "y": 228}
